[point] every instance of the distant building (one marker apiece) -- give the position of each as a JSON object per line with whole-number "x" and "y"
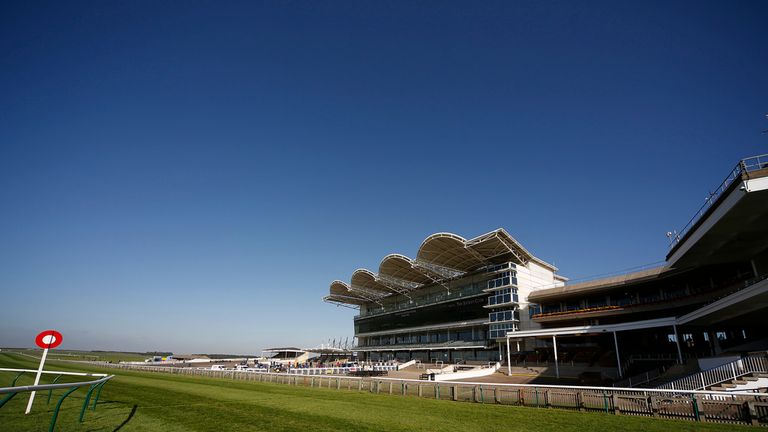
{"x": 285, "y": 355}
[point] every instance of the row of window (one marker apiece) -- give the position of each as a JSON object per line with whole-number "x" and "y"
{"x": 498, "y": 267}
{"x": 506, "y": 295}
{"x": 500, "y": 330}
{"x": 506, "y": 315}
{"x": 435, "y": 297}
{"x": 470, "y": 334}
{"x": 505, "y": 279}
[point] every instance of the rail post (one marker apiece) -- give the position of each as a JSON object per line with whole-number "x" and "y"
{"x": 86, "y": 401}
{"x": 7, "y": 398}
{"x": 58, "y": 405}
{"x": 50, "y": 392}
{"x": 98, "y": 393}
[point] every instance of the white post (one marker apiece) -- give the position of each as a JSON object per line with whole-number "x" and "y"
{"x": 618, "y": 358}
{"x": 37, "y": 381}
{"x": 509, "y": 360}
{"x": 557, "y": 367}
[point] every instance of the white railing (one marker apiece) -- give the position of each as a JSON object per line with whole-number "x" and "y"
{"x": 720, "y": 374}
{"x": 323, "y": 370}
{"x": 342, "y": 369}
{"x": 749, "y": 164}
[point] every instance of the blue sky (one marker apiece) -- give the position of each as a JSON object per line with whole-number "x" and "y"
{"x": 191, "y": 176}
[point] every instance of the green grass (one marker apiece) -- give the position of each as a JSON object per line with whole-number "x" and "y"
{"x": 135, "y": 401}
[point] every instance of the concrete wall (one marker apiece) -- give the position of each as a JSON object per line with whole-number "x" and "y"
{"x": 530, "y": 278}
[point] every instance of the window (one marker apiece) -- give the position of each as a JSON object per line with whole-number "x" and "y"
{"x": 504, "y": 279}
{"x": 499, "y": 267}
{"x": 533, "y": 309}
{"x": 505, "y": 315}
{"x": 506, "y": 295}
{"x": 500, "y": 330}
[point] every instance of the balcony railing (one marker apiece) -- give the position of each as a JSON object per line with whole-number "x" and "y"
{"x": 706, "y": 298}
{"x": 750, "y": 164}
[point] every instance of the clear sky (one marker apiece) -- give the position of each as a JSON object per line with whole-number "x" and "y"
{"x": 191, "y": 176}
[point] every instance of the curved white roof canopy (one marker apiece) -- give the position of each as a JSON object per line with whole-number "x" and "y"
{"x": 340, "y": 293}
{"x": 441, "y": 256}
{"x": 447, "y": 254}
{"x": 401, "y": 268}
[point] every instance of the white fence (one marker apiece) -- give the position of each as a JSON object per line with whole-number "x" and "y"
{"x": 725, "y": 373}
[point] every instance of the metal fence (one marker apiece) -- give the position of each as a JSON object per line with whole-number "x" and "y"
{"x": 733, "y": 407}
{"x": 94, "y": 390}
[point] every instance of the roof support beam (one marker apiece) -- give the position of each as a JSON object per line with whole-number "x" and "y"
{"x": 396, "y": 285}
{"x": 370, "y": 295}
{"x": 336, "y": 302}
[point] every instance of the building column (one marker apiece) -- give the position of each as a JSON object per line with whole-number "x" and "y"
{"x": 509, "y": 362}
{"x": 715, "y": 342}
{"x": 557, "y": 366}
{"x": 618, "y": 357}
{"x": 677, "y": 343}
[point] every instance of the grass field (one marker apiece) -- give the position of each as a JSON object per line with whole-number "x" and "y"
{"x": 135, "y": 401}
{"x": 110, "y": 356}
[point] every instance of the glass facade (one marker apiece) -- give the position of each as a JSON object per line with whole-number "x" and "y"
{"x": 398, "y": 303}
{"x": 503, "y": 288}
{"x": 500, "y": 330}
{"x": 503, "y": 296}
{"x": 409, "y": 320}
{"x": 505, "y": 315}
{"x": 504, "y": 279}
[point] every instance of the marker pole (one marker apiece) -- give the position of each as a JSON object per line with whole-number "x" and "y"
{"x": 37, "y": 381}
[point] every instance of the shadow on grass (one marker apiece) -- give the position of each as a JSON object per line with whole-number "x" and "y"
{"x": 130, "y": 416}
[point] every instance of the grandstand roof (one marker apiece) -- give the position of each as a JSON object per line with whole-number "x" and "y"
{"x": 340, "y": 293}
{"x": 441, "y": 256}
{"x": 283, "y": 349}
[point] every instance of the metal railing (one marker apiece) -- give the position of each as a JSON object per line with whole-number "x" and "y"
{"x": 731, "y": 407}
{"x": 93, "y": 386}
{"x": 720, "y": 374}
{"x": 749, "y": 164}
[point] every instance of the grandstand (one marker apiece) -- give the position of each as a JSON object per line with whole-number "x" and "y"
{"x": 489, "y": 299}
{"x": 452, "y": 303}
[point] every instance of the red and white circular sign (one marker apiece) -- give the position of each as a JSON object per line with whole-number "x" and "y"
{"x": 48, "y": 339}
